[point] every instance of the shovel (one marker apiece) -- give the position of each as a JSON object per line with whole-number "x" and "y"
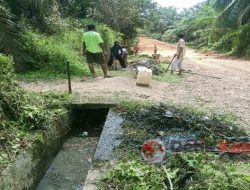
{"x": 170, "y": 63}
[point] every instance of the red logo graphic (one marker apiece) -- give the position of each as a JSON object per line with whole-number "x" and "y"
{"x": 226, "y": 146}
{"x": 153, "y": 151}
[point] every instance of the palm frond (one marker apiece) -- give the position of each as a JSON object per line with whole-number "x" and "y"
{"x": 244, "y": 13}
{"x": 221, "y": 4}
{"x": 9, "y": 34}
{"x": 234, "y": 14}
{"x": 39, "y": 5}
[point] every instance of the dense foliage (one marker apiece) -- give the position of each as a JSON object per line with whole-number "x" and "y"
{"x": 191, "y": 167}
{"x": 43, "y": 35}
{"x": 124, "y": 16}
{"x": 34, "y": 32}
{"x": 217, "y": 25}
{"x": 186, "y": 171}
{"x": 48, "y": 17}
{"x": 22, "y": 114}
{"x": 48, "y": 54}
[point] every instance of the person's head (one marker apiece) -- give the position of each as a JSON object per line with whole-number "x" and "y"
{"x": 180, "y": 36}
{"x": 90, "y": 27}
{"x": 116, "y": 43}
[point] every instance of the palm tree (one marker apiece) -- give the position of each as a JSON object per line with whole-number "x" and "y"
{"x": 235, "y": 13}
{"x": 9, "y": 35}
{"x": 9, "y": 32}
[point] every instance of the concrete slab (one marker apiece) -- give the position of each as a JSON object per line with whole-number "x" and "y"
{"x": 111, "y": 136}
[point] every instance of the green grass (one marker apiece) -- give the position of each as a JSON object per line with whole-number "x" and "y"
{"x": 40, "y": 76}
{"x": 208, "y": 170}
{"x": 36, "y": 76}
{"x": 134, "y": 58}
{"x": 130, "y": 105}
{"x": 167, "y": 77}
{"x": 38, "y": 113}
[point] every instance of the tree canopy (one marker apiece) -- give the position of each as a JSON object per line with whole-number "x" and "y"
{"x": 203, "y": 24}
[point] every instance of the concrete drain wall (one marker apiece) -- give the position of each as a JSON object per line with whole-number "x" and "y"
{"x": 70, "y": 167}
{"x": 72, "y": 163}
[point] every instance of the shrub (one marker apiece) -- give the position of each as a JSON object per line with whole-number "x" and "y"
{"x": 186, "y": 171}
{"x": 10, "y": 94}
{"x": 6, "y": 71}
{"x": 225, "y": 43}
{"x": 29, "y": 111}
{"x": 50, "y": 53}
{"x": 242, "y": 43}
{"x": 23, "y": 114}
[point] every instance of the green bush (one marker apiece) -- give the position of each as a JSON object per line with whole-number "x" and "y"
{"x": 29, "y": 111}
{"x": 170, "y": 36}
{"x": 10, "y": 94}
{"x": 186, "y": 171}
{"x": 47, "y": 54}
{"x": 6, "y": 72}
{"x": 50, "y": 53}
{"x": 135, "y": 175}
{"x": 23, "y": 115}
{"x": 225, "y": 42}
{"x": 242, "y": 43}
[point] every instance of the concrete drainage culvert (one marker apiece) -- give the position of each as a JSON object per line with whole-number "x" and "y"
{"x": 71, "y": 165}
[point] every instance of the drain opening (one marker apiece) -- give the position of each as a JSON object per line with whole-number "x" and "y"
{"x": 88, "y": 120}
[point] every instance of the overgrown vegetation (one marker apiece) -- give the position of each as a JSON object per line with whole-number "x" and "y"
{"x": 197, "y": 167}
{"x": 24, "y": 116}
{"x": 37, "y": 37}
{"x": 214, "y": 25}
{"x": 186, "y": 171}
{"x": 47, "y": 55}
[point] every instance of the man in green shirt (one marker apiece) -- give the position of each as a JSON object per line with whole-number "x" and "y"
{"x": 93, "y": 49}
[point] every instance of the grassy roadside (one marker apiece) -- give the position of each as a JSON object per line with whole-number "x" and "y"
{"x": 44, "y": 75}
{"x": 42, "y": 113}
{"x": 24, "y": 115}
{"x": 200, "y": 169}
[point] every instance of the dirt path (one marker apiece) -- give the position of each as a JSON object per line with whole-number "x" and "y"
{"x": 230, "y": 93}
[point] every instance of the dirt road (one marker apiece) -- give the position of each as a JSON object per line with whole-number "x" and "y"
{"x": 231, "y": 93}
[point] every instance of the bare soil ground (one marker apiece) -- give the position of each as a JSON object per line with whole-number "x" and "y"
{"x": 230, "y": 93}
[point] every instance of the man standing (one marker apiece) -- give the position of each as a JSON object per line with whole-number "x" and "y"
{"x": 181, "y": 49}
{"x": 93, "y": 48}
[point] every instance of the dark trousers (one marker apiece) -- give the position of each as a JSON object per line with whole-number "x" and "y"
{"x": 119, "y": 58}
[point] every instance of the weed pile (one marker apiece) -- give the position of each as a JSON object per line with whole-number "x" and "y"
{"x": 167, "y": 119}
{"x": 148, "y": 63}
{"x": 186, "y": 170}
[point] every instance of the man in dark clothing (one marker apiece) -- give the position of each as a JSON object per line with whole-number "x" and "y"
{"x": 116, "y": 52}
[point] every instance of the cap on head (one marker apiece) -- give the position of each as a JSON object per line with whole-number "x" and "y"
{"x": 91, "y": 27}
{"x": 180, "y": 36}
